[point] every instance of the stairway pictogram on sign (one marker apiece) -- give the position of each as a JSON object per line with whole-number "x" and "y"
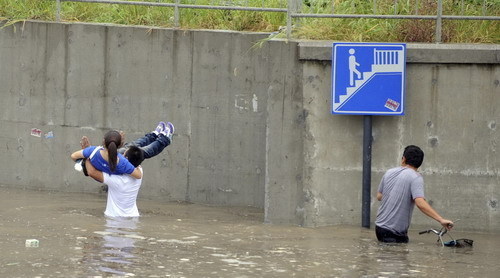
{"x": 368, "y": 79}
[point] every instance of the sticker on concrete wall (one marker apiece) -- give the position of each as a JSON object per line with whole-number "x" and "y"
{"x": 36, "y": 132}
{"x": 247, "y": 102}
{"x": 49, "y": 135}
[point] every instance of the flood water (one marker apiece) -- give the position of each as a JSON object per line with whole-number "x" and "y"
{"x": 188, "y": 240}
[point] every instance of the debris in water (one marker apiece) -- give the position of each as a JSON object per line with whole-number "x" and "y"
{"x": 32, "y": 243}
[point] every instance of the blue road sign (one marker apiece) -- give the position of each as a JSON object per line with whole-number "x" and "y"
{"x": 368, "y": 78}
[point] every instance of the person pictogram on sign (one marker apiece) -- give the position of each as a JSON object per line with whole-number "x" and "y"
{"x": 352, "y": 67}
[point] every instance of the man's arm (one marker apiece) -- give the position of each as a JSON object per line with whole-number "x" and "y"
{"x": 379, "y": 196}
{"x": 93, "y": 172}
{"x": 429, "y": 211}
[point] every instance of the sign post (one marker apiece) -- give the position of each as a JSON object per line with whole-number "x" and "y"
{"x": 368, "y": 79}
{"x": 367, "y": 173}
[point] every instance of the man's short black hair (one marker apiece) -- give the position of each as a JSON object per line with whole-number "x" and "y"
{"x": 134, "y": 155}
{"x": 414, "y": 156}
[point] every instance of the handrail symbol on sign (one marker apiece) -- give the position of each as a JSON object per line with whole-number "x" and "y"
{"x": 368, "y": 78}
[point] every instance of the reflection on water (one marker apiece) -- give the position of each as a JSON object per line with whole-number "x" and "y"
{"x": 186, "y": 240}
{"x": 112, "y": 250}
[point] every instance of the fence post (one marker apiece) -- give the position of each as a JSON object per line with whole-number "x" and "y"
{"x": 58, "y": 10}
{"x": 293, "y": 6}
{"x": 176, "y": 14}
{"x": 288, "y": 19}
{"x": 439, "y": 21}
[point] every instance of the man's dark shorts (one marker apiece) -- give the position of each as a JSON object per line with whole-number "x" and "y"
{"x": 385, "y": 235}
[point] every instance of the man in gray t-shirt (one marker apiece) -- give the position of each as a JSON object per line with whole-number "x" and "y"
{"x": 400, "y": 189}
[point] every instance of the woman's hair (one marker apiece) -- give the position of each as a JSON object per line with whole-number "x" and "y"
{"x": 112, "y": 140}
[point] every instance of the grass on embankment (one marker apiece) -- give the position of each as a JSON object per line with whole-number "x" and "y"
{"x": 384, "y": 30}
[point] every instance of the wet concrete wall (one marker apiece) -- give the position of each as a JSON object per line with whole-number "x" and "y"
{"x": 82, "y": 79}
{"x": 253, "y": 123}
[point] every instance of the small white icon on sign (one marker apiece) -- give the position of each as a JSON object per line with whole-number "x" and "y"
{"x": 352, "y": 67}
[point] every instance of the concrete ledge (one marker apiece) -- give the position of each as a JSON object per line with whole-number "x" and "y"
{"x": 418, "y": 53}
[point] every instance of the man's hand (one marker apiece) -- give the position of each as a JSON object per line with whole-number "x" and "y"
{"x": 448, "y": 224}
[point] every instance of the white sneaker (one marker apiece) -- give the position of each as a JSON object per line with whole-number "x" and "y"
{"x": 169, "y": 130}
{"x": 160, "y": 128}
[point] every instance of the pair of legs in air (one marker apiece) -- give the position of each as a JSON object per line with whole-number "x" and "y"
{"x": 154, "y": 142}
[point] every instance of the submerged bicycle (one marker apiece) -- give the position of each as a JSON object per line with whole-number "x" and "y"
{"x": 462, "y": 242}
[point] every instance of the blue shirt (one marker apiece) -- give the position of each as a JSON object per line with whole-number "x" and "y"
{"x": 123, "y": 167}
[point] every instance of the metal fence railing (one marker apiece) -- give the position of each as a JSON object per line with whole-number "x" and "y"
{"x": 293, "y": 10}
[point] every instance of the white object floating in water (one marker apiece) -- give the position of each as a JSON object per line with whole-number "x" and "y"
{"x": 32, "y": 243}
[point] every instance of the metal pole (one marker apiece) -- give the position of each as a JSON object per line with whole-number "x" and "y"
{"x": 58, "y": 10}
{"x": 374, "y": 6}
{"x": 439, "y": 21}
{"x": 367, "y": 165}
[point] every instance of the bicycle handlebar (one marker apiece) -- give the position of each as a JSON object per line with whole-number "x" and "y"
{"x": 439, "y": 233}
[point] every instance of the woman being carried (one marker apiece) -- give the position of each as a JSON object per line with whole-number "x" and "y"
{"x": 107, "y": 159}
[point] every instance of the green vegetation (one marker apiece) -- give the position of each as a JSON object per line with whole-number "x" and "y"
{"x": 387, "y": 30}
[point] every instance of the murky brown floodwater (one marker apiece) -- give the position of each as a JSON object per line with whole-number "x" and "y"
{"x": 186, "y": 240}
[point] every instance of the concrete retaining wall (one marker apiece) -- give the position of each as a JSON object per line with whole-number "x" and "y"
{"x": 253, "y": 123}
{"x": 76, "y": 79}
